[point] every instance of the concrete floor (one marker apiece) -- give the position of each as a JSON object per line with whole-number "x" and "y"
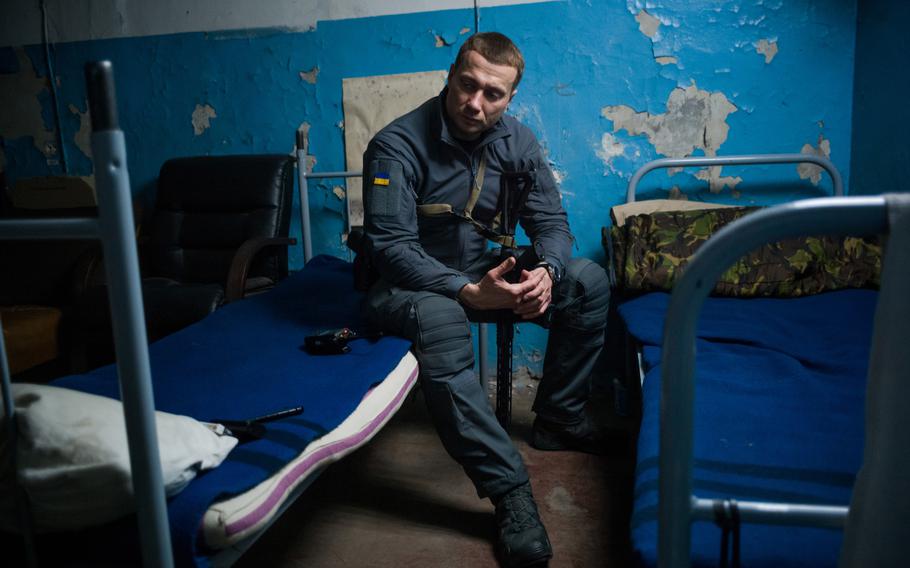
{"x": 402, "y": 501}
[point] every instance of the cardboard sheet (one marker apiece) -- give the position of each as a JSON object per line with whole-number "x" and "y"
{"x": 370, "y": 103}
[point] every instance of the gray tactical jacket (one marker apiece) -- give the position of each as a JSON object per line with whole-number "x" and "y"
{"x": 416, "y": 161}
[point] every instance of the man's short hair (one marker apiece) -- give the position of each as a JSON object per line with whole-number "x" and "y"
{"x": 495, "y": 48}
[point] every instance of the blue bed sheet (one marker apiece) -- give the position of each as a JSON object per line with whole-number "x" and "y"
{"x": 779, "y": 396}
{"x": 245, "y": 361}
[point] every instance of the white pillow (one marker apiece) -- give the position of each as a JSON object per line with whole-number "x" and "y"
{"x": 73, "y": 459}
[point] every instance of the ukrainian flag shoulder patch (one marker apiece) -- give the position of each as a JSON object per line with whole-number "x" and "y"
{"x": 381, "y": 178}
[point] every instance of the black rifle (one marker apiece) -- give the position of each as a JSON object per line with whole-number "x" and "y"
{"x": 513, "y": 191}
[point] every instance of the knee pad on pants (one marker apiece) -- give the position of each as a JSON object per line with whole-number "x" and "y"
{"x": 589, "y": 291}
{"x": 443, "y": 336}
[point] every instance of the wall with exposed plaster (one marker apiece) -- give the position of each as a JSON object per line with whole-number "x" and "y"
{"x": 608, "y": 86}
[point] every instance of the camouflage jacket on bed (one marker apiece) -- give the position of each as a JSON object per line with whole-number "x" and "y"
{"x": 650, "y": 251}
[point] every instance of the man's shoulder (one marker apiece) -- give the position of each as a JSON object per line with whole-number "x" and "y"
{"x": 408, "y": 127}
{"x": 516, "y": 127}
{"x": 520, "y": 137}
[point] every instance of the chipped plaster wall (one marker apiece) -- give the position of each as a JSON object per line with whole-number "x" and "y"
{"x": 608, "y": 86}
{"x": 23, "y": 98}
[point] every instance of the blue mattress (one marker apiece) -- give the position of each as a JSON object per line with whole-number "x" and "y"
{"x": 779, "y": 395}
{"x": 244, "y": 361}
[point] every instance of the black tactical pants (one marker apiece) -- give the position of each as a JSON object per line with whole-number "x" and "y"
{"x": 438, "y": 327}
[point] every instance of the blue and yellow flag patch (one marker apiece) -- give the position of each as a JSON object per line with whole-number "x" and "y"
{"x": 381, "y": 178}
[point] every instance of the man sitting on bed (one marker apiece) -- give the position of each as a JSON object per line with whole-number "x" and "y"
{"x": 437, "y": 273}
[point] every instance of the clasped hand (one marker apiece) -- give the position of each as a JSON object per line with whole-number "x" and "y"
{"x": 528, "y": 298}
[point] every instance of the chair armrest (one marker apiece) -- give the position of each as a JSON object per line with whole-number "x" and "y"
{"x": 243, "y": 258}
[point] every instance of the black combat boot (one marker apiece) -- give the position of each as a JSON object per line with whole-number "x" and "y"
{"x": 582, "y": 436}
{"x": 523, "y": 540}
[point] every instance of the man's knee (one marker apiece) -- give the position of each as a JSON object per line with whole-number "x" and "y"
{"x": 592, "y": 278}
{"x": 588, "y": 294}
{"x": 443, "y": 336}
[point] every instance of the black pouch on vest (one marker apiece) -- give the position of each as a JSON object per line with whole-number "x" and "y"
{"x": 365, "y": 275}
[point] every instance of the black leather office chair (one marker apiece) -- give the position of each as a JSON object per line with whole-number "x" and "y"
{"x": 218, "y": 232}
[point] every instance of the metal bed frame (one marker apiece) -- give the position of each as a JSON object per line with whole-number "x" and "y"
{"x": 678, "y": 506}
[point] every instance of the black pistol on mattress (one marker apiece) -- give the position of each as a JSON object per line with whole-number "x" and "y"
{"x": 334, "y": 341}
{"x": 254, "y": 428}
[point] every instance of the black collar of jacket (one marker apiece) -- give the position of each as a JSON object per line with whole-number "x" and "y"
{"x": 440, "y": 126}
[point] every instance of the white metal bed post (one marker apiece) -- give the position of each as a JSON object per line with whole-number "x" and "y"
{"x": 304, "y": 201}
{"x": 303, "y": 190}
{"x": 678, "y": 507}
{"x": 116, "y": 229}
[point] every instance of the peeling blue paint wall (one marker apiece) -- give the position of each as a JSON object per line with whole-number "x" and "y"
{"x": 596, "y": 57}
{"x": 756, "y": 76}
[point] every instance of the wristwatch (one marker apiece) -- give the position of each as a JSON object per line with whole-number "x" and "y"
{"x": 554, "y": 276}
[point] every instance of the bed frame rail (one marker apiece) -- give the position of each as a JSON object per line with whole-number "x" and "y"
{"x": 743, "y": 160}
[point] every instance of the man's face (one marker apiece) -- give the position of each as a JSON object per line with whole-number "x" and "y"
{"x": 479, "y": 92}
